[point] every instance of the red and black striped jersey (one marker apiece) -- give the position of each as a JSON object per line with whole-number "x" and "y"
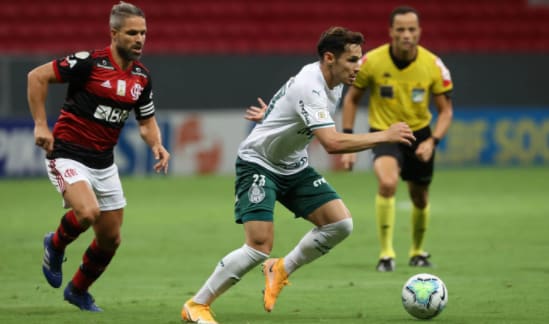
{"x": 100, "y": 97}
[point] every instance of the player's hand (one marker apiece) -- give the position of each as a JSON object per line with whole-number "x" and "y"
{"x": 43, "y": 138}
{"x": 256, "y": 114}
{"x": 348, "y": 161}
{"x": 425, "y": 149}
{"x": 400, "y": 133}
{"x": 162, "y": 156}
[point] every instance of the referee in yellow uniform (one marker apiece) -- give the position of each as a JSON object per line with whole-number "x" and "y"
{"x": 402, "y": 77}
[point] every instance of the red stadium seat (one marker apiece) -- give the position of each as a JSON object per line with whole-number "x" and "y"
{"x": 275, "y": 26}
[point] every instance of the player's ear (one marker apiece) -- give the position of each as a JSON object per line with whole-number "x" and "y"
{"x": 329, "y": 58}
{"x": 113, "y": 33}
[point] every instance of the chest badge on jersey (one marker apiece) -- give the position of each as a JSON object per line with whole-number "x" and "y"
{"x": 386, "y": 91}
{"x": 121, "y": 88}
{"x": 136, "y": 91}
{"x": 418, "y": 95}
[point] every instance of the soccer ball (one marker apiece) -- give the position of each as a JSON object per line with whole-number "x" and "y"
{"x": 424, "y": 296}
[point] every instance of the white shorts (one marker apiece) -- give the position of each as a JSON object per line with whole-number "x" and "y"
{"x": 104, "y": 182}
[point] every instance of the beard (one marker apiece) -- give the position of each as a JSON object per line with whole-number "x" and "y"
{"x": 127, "y": 54}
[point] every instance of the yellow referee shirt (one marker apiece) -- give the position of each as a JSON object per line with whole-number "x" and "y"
{"x": 401, "y": 95}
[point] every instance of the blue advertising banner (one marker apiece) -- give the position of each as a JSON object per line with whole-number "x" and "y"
{"x": 498, "y": 137}
{"x": 18, "y": 154}
{"x": 20, "y": 157}
{"x": 204, "y": 143}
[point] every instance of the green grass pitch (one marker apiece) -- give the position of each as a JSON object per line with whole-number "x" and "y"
{"x": 489, "y": 237}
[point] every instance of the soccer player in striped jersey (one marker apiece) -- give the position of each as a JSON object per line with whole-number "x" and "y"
{"x": 273, "y": 165}
{"x": 104, "y": 87}
{"x": 402, "y": 77}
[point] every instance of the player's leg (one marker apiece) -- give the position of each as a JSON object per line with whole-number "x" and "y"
{"x": 229, "y": 270}
{"x": 70, "y": 179}
{"x": 420, "y": 219}
{"x": 95, "y": 260}
{"x": 313, "y": 198}
{"x": 256, "y": 194}
{"x": 333, "y": 223}
{"x": 233, "y": 266}
{"x": 386, "y": 169}
{"x": 418, "y": 175}
{"x": 107, "y": 225}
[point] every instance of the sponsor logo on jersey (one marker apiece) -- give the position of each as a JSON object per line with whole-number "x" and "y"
{"x": 69, "y": 173}
{"x": 105, "y": 64}
{"x": 106, "y": 84}
{"x": 138, "y": 71}
{"x": 110, "y": 114}
{"x": 318, "y": 182}
{"x": 304, "y": 112}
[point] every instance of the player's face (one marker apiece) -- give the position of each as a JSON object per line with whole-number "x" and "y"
{"x": 405, "y": 32}
{"x": 347, "y": 65}
{"x": 130, "y": 38}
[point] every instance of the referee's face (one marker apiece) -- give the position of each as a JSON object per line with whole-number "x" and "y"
{"x": 405, "y": 33}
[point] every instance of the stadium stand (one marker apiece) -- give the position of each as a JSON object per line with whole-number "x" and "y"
{"x": 273, "y": 27}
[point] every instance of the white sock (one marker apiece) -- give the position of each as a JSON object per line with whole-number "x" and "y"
{"x": 228, "y": 272}
{"x": 316, "y": 243}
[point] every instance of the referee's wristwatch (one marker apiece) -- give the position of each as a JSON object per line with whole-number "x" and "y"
{"x": 436, "y": 140}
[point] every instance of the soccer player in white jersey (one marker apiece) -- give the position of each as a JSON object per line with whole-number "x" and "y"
{"x": 273, "y": 165}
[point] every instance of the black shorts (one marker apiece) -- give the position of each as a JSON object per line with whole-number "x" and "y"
{"x": 411, "y": 168}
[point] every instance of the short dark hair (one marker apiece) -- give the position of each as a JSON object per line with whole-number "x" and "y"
{"x": 121, "y": 11}
{"x": 335, "y": 40}
{"x": 401, "y": 11}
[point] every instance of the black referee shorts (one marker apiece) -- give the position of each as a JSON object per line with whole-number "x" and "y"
{"x": 411, "y": 168}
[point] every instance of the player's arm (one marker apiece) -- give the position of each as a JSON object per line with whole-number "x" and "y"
{"x": 443, "y": 103}
{"x": 350, "y": 106}
{"x": 445, "y": 114}
{"x": 150, "y": 133}
{"x": 38, "y": 81}
{"x": 336, "y": 143}
{"x": 349, "y": 109}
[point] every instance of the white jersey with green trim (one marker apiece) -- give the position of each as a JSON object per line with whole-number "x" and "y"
{"x": 303, "y": 104}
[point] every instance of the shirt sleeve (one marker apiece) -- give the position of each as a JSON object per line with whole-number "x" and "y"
{"x": 443, "y": 80}
{"x": 145, "y": 105}
{"x": 313, "y": 109}
{"x": 75, "y": 67}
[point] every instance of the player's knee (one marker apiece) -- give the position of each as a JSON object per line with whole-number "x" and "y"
{"x": 387, "y": 186}
{"x": 340, "y": 230}
{"x": 86, "y": 216}
{"x": 345, "y": 227}
{"x": 261, "y": 244}
{"x": 110, "y": 242}
{"x": 116, "y": 242}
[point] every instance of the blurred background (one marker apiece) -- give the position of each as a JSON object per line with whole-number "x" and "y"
{"x": 210, "y": 59}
